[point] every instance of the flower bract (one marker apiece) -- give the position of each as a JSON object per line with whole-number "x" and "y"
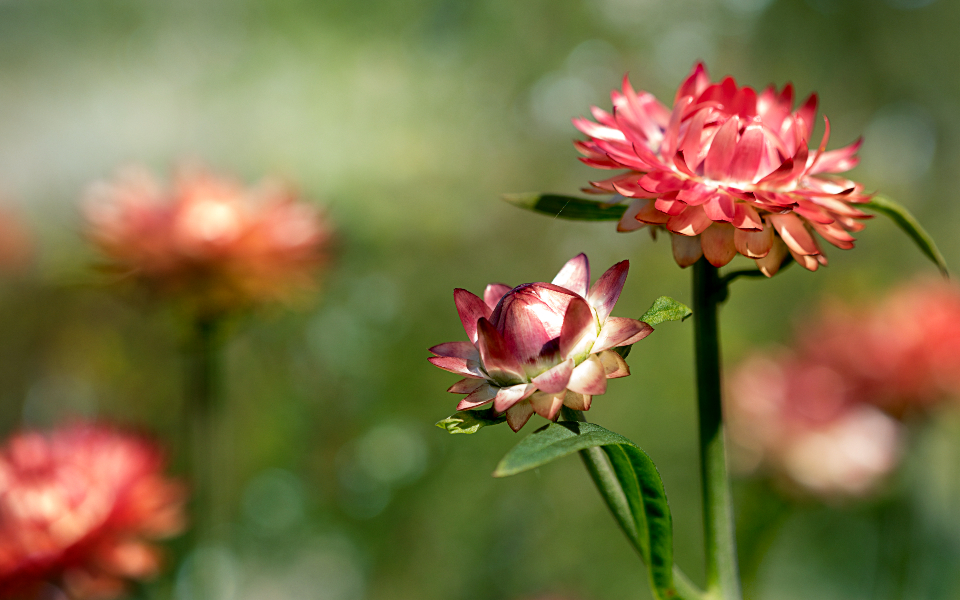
{"x": 726, "y": 171}
{"x": 540, "y": 346}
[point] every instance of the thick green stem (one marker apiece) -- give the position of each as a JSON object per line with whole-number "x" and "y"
{"x": 723, "y": 581}
{"x": 603, "y": 477}
{"x": 200, "y": 414}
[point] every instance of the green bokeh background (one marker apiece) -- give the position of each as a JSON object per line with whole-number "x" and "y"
{"x": 407, "y": 119}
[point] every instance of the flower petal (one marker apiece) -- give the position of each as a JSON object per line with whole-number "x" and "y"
{"x": 717, "y": 243}
{"x": 508, "y": 396}
{"x": 497, "y": 359}
{"x": 795, "y": 234}
{"x": 575, "y": 275}
{"x": 589, "y": 377}
{"x": 753, "y": 244}
{"x": 480, "y": 396}
{"x": 620, "y": 331}
{"x": 770, "y": 264}
{"x": 606, "y": 291}
{"x": 721, "y": 151}
{"x": 808, "y": 262}
{"x": 579, "y": 328}
{"x": 466, "y": 386}
{"x": 464, "y": 350}
{"x": 746, "y": 157}
{"x": 493, "y": 294}
{"x": 460, "y": 366}
{"x": 746, "y": 217}
{"x": 577, "y": 401}
{"x": 629, "y": 222}
{"x": 471, "y": 309}
{"x": 648, "y": 213}
{"x": 518, "y": 415}
{"x": 692, "y": 221}
{"x": 686, "y": 249}
{"x": 547, "y": 405}
{"x": 556, "y": 379}
{"x": 613, "y": 364}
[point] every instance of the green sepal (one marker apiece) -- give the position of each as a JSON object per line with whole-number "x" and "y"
{"x": 909, "y": 224}
{"x": 636, "y": 497}
{"x": 471, "y": 421}
{"x": 567, "y": 207}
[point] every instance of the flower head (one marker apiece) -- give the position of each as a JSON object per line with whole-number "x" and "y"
{"x": 726, "y": 171}
{"x": 902, "y": 351}
{"x": 207, "y": 239}
{"x": 540, "y": 346}
{"x": 807, "y": 424}
{"x": 79, "y": 507}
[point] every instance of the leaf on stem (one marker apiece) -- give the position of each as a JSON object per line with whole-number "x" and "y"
{"x": 664, "y": 308}
{"x": 567, "y": 207}
{"x": 470, "y": 421}
{"x": 646, "y": 517}
{"x": 909, "y": 224}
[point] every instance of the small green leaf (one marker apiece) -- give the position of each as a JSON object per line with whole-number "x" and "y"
{"x": 567, "y": 207}
{"x": 906, "y": 221}
{"x": 665, "y": 308}
{"x": 470, "y": 421}
{"x": 627, "y": 479}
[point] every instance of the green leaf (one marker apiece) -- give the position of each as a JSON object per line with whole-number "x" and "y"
{"x": 906, "y": 221}
{"x": 567, "y": 207}
{"x": 665, "y": 308}
{"x": 626, "y": 477}
{"x": 470, "y": 421}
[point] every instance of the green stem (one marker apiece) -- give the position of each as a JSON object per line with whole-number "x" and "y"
{"x": 200, "y": 413}
{"x": 601, "y": 472}
{"x": 718, "y": 524}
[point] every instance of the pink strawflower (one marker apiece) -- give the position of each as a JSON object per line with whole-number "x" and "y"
{"x": 207, "y": 240}
{"x": 726, "y": 171}
{"x": 805, "y": 423}
{"x": 540, "y": 346}
{"x": 902, "y": 352}
{"x": 79, "y": 508}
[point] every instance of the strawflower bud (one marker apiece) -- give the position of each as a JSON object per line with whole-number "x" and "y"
{"x": 726, "y": 171}
{"x": 207, "y": 240}
{"x": 80, "y": 508}
{"x": 540, "y": 346}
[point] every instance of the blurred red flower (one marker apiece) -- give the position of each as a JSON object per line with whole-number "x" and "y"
{"x": 902, "y": 352}
{"x": 726, "y": 171}
{"x": 79, "y": 508}
{"x": 207, "y": 240}
{"x": 827, "y": 415}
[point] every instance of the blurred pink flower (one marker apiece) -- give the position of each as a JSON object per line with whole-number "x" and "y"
{"x": 902, "y": 352}
{"x": 805, "y": 423}
{"x": 726, "y": 171}
{"x": 540, "y": 346}
{"x": 79, "y": 508}
{"x": 207, "y": 239}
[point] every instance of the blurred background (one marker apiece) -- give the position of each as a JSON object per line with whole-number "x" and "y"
{"x": 406, "y": 119}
